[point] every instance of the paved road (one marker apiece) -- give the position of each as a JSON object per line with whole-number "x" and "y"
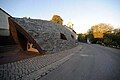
{"x": 94, "y": 62}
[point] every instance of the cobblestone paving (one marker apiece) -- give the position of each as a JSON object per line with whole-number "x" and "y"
{"x": 25, "y": 68}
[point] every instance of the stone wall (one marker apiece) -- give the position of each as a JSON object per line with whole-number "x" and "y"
{"x": 47, "y": 34}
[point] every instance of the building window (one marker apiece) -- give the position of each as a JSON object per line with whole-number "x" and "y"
{"x": 72, "y": 36}
{"x": 62, "y": 36}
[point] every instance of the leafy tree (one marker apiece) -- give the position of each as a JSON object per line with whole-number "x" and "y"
{"x": 90, "y": 36}
{"x": 70, "y": 24}
{"x": 104, "y": 34}
{"x": 112, "y": 38}
{"x": 107, "y": 41}
{"x": 96, "y": 33}
{"x": 82, "y": 37}
{"x": 57, "y": 19}
{"x": 99, "y": 30}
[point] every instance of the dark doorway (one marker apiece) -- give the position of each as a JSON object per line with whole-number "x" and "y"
{"x": 62, "y": 36}
{"x": 72, "y": 36}
{"x": 23, "y": 40}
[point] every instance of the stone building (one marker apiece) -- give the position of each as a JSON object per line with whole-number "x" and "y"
{"x": 38, "y": 35}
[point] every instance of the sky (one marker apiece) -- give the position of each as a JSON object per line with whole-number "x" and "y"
{"x": 82, "y": 13}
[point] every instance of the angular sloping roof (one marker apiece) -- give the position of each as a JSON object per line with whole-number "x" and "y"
{"x": 5, "y": 12}
{"x": 47, "y": 34}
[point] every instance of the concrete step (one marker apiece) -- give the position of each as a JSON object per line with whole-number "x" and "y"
{"x": 7, "y": 48}
{"x": 6, "y": 40}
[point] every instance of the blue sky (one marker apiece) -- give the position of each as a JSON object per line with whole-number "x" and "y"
{"x": 83, "y": 13}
